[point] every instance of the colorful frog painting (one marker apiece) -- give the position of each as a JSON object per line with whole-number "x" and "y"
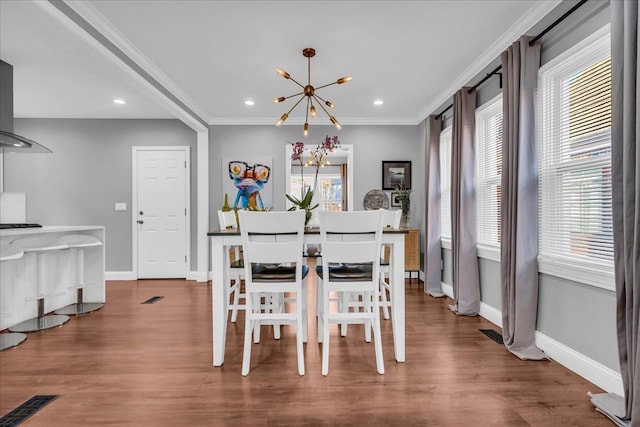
{"x": 249, "y": 180}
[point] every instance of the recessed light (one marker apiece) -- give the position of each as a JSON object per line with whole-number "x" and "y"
{"x": 378, "y": 102}
{"x": 249, "y": 102}
{"x": 119, "y": 101}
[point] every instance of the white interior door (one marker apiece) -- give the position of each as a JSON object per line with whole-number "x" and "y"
{"x": 161, "y": 202}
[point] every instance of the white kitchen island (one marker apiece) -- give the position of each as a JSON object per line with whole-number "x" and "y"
{"x": 19, "y": 277}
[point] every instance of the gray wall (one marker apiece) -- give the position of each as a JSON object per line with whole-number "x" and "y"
{"x": 89, "y": 171}
{"x": 372, "y": 145}
{"x": 577, "y": 315}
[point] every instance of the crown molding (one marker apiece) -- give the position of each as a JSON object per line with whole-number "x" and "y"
{"x": 299, "y": 121}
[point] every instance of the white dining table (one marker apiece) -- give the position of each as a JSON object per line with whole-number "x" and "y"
{"x": 222, "y": 240}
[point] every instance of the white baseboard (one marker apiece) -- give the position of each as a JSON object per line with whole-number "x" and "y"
{"x": 600, "y": 375}
{"x": 198, "y": 276}
{"x": 605, "y": 378}
{"x": 119, "y": 275}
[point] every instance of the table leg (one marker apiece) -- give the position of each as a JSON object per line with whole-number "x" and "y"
{"x": 396, "y": 269}
{"x": 219, "y": 299}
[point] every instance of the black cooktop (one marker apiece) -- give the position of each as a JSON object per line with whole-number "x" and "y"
{"x": 11, "y": 226}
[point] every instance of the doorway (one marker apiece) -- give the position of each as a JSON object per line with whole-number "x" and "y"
{"x": 161, "y": 212}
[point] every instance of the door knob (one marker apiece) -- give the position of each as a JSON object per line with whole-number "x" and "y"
{"x": 140, "y": 221}
{"x": 141, "y": 213}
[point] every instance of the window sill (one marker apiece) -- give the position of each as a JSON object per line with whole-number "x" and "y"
{"x": 593, "y": 276}
{"x": 488, "y": 252}
{"x": 445, "y": 243}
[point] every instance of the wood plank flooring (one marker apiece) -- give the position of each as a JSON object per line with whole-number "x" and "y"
{"x": 133, "y": 364}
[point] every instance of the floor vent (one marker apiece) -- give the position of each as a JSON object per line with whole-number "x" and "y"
{"x": 153, "y": 300}
{"x": 493, "y": 334}
{"x": 27, "y": 409}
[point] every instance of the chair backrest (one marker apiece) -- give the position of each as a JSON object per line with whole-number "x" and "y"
{"x": 352, "y": 237}
{"x": 227, "y": 219}
{"x": 272, "y": 238}
{"x": 391, "y": 219}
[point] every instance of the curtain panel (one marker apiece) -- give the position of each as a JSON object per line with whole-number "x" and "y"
{"x": 433, "y": 252}
{"x": 625, "y": 168}
{"x": 466, "y": 279}
{"x": 519, "y": 209}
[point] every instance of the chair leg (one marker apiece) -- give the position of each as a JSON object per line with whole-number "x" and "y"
{"x": 325, "y": 333}
{"x": 303, "y": 302}
{"x": 383, "y": 297}
{"x": 377, "y": 335}
{"x": 343, "y": 306}
{"x": 367, "y": 307}
{"x": 248, "y": 328}
{"x": 236, "y": 299}
{"x": 257, "y": 308}
{"x": 300, "y": 329}
{"x": 320, "y": 308}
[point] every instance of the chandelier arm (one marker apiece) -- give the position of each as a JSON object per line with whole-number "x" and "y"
{"x": 322, "y": 106}
{"x": 296, "y": 82}
{"x": 296, "y": 104}
{"x": 291, "y": 96}
{"x": 321, "y": 99}
{"x": 306, "y": 119}
{"x": 328, "y": 84}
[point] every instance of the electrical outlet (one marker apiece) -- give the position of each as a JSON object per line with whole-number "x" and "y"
{"x": 121, "y": 207}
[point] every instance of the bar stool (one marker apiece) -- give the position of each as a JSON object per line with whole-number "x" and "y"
{"x": 78, "y": 243}
{"x": 40, "y": 247}
{"x": 11, "y": 339}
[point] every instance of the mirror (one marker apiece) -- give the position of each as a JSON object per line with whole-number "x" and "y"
{"x": 331, "y": 180}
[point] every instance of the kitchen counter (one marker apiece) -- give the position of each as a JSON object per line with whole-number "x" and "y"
{"x": 18, "y": 277}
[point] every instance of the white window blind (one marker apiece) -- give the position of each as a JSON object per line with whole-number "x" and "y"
{"x": 445, "y": 183}
{"x": 575, "y": 159}
{"x": 489, "y": 172}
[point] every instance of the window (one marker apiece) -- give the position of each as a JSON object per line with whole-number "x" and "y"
{"x": 488, "y": 173}
{"x": 329, "y": 186}
{"x": 575, "y": 163}
{"x": 445, "y": 184}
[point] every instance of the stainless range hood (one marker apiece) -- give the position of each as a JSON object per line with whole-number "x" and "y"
{"x": 9, "y": 141}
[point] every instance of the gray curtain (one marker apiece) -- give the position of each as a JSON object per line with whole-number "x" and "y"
{"x": 433, "y": 254}
{"x": 466, "y": 280}
{"x": 625, "y": 169}
{"x": 519, "y": 209}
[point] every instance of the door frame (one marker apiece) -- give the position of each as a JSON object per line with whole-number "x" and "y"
{"x": 134, "y": 202}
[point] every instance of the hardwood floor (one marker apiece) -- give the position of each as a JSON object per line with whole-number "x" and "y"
{"x": 133, "y": 364}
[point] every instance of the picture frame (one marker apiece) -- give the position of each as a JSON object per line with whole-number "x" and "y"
{"x": 395, "y": 199}
{"x": 396, "y": 173}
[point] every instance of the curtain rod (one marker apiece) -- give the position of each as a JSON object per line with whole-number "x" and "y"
{"x": 531, "y": 43}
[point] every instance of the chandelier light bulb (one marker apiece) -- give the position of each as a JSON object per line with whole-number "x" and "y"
{"x": 335, "y": 122}
{"x": 329, "y": 104}
{"x": 277, "y": 100}
{"x": 283, "y": 73}
{"x": 306, "y": 130}
{"x": 282, "y": 119}
{"x": 345, "y": 79}
{"x": 313, "y": 111}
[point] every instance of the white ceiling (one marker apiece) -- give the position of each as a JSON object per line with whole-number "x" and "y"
{"x": 214, "y": 55}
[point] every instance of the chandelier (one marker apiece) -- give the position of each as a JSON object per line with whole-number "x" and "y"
{"x": 309, "y": 92}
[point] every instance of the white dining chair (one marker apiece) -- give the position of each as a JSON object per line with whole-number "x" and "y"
{"x": 8, "y": 253}
{"x": 235, "y": 272}
{"x": 391, "y": 220}
{"x": 273, "y": 245}
{"x": 351, "y": 244}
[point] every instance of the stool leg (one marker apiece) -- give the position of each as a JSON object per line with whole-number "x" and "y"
{"x": 80, "y": 307}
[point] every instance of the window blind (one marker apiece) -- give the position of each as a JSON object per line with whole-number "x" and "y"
{"x": 445, "y": 183}
{"x": 489, "y": 172}
{"x": 575, "y": 159}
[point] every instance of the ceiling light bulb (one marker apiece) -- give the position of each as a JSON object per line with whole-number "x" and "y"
{"x": 378, "y": 102}
{"x": 275, "y": 101}
{"x": 306, "y": 130}
{"x": 119, "y": 101}
{"x": 313, "y": 111}
{"x": 282, "y": 119}
{"x": 345, "y": 79}
{"x": 249, "y": 102}
{"x": 329, "y": 104}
